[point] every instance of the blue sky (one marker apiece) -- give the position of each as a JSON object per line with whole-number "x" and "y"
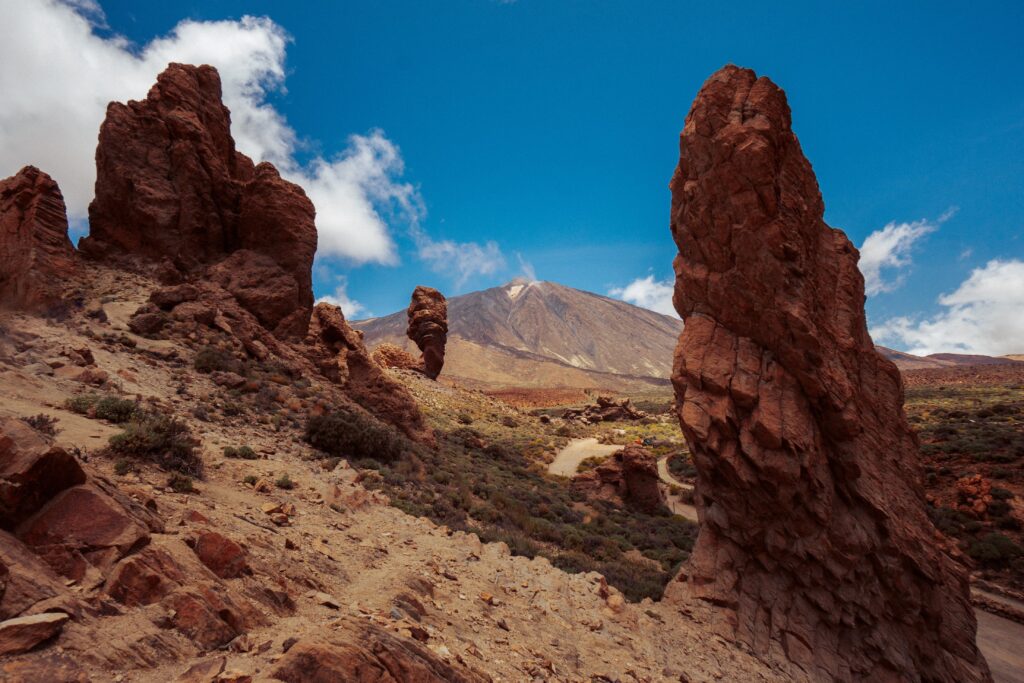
{"x": 551, "y": 129}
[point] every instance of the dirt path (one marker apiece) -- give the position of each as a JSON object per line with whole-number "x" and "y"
{"x": 1002, "y": 643}
{"x": 569, "y": 458}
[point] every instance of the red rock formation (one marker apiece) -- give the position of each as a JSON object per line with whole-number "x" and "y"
{"x": 814, "y": 540}
{"x": 391, "y": 356}
{"x": 35, "y": 252}
{"x": 606, "y": 409}
{"x": 31, "y": 472}
{"x": 428, "y": 327}
{"x": 629, "y": 476}
{"x": 338, "y": 352}
{"x": 170, "y": 184}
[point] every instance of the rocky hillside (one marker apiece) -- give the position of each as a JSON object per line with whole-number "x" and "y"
{"x": 543, "y": 334}
{"x": 908, "y": 361}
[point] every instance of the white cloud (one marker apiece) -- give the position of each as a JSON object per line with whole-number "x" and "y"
{"x": 647, "y": 292}
{"x": 340, "y": 298}
{"x": 890, "y": 248}
{"x": 463, "y": 260}
{"x": 985, "y": 315}
{"x": 526, "y": 269}
{"x": 57, "y": 76}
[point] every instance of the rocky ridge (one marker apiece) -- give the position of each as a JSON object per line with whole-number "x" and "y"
{"x": 814, "y": 545}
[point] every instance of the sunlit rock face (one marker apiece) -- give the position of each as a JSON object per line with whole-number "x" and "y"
{"x": 814, "y": 545}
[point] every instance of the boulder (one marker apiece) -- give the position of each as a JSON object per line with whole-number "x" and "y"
{"x": 338, "y": 352}
{"x": 815, "y": 548}
{"x": 221, "y": 555}
{"x": 24, "y": 633}
{"x": 365, "y": 654}
{"x": 171, "y": 188}
{"x": 263, "y": 288}
{"x": 84, "y": 519}
{"x": 628, "y": 477}
{"x": 428, "y": 327}
{"x": 31, "y": 472}
{"x": 25, "y": 581}
{"x": 36, "y": 255}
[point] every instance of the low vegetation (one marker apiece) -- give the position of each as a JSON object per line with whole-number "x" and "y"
{"x": 160, "y": 439}
{"x": 240, "y": 453}
{"x": 355, "y": 436}
{"x": 109, "y": 407}
{"x": 42, "y": 423}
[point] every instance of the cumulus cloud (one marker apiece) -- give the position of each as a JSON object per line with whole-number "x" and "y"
{"x": 985, "y": 315}
{"x": 340, "y": 298}
{"x": 647, "y": 292}
{"x": 462, "y": 260}
{"x": 57, "y": 76}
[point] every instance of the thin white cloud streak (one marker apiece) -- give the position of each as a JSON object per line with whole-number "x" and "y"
{"x": 57, "y": 76}
{"x": 984, "y": 315}
{"x": 646, "y": 292}
{"x": 461, "y": 260}
{"x": 890, "y": 248}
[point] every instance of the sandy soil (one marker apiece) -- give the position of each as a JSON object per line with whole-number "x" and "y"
{"x": 569, "y": 458}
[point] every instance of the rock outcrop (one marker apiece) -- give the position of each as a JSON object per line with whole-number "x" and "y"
{"x": 428, "y": 327}
{"x": 606, "y": 409}
{"x": 35, "y": 252}
{"x": 814, "y": 545}
{"x": 391, "y": 356}
{"x": 628, "y": 477}
{"x": 339, "y": 354}
{"x": 170, "y": 185}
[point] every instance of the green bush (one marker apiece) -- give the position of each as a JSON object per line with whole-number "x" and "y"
{"x": 250, "y": 479}
{"x": 122, "y": 467}
{"x": 109, "y": 407}
{"x": 42, "y": 423}
{"x": 240, "y": 453}
{"x": 284, "y": 482}
{"x": 210, "y": 359}
{"x": 994, "y": 551}
{"x": 179, "y": 483}
{"x": 355, "y": 436}
{"x": 162, "y": 440}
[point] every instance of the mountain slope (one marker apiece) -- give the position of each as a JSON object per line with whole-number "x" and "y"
{"x": 545, "y": 334}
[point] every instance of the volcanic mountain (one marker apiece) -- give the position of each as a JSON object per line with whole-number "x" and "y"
{"x": 543, "y": 334}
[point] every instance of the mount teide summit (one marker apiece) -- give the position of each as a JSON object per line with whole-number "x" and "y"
{"x": 543, "y": 334}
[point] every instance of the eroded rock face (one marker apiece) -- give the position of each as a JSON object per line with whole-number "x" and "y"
{"x": 428, "y": 327}
{"x": 391, "y": 356}
{"x": 170, "y": 185}
{"x": 35, "y": 252}
{"x": 339, "y": 354}
{"x": 814, "y": 539}
{"x": 606, "y": 409}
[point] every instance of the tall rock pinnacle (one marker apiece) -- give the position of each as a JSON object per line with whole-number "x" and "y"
{"x": 428, "y": 327}
{"x": 815, "y": 546}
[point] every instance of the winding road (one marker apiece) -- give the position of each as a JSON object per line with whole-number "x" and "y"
{"x": 568, "y": 460}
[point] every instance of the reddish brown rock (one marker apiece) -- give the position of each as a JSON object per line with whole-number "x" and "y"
{"x": 26, "y": 581}
{"x": 340, "y": 355}
{"x": 390, "y": 356}
{"x": 31, "y": 472}
{"x": 86, "y": 520}
{"x": 368, "y": 654}
{"x": 629, "y": 477}
{"x": 35, "y": 252}
{"x": 428, "y": 327}
{"x": 606, "y": 409}
{"x": 974, "y": 495}
{"x": 170, "y": 185}
{"x": 814, "y": 544}
{"x": 262, "y": 287}
{"x": 24, "y": 633}
{"x": 53, "y": 668}
{"x": 221, "y": 555}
